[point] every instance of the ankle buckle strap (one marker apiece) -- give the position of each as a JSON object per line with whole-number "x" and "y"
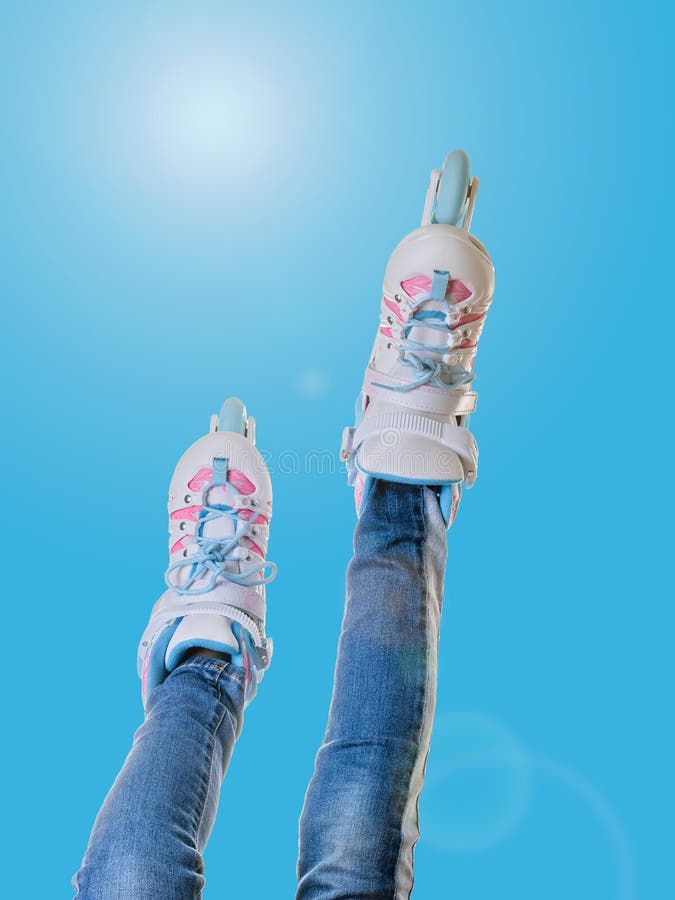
{"x": 447, "y": 435}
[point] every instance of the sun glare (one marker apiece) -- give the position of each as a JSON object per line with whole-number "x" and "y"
{"x": 209, "y": 119}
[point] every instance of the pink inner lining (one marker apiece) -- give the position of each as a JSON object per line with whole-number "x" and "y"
{"x": 240, "y": 481}
{"x": 200, "y": 480}
{"x": 457, "y": 291}
{"x": 234, "y": 476}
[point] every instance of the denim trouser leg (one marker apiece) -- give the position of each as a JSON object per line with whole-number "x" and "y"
{"x": 359, "y": 822}
{"x": 148, "y": 837}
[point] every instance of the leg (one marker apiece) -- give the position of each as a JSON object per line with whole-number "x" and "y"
{"x": 359, "y": 822}
{"x": 201, "y": 658}
{"x": 149, "y": 835}
{"x": 408, "y": 456}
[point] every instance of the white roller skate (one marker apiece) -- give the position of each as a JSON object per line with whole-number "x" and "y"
{"x": 412, "y": 414}
{"x": 220, "y": 507}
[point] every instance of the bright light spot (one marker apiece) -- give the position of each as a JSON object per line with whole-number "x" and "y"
{"x": 313, "y": 384}
{"x": 209, "y": 118}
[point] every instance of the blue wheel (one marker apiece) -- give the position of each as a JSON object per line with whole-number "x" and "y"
{"x": 453, "y": 188}
{"x": 233, "y": 416}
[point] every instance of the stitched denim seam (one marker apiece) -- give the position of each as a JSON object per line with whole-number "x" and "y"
{"x": 428, "y": 639}
{"x": 424, "y": 693}
{"x": 212, "y": 733}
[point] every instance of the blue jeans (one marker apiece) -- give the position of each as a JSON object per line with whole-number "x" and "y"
{"x": 359, "y": 823}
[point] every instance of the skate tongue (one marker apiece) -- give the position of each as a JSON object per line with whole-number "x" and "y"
{"x": 222, "y": 497}
{"x": 430, "y": 313}
{"x": 219, "y": 528}
{"x": 213, "y": 632}
{"x": 439, "y": 284}
{"x": 456, "y": 291}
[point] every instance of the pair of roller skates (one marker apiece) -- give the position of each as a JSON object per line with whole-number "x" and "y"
{"x": 412, "y": 425}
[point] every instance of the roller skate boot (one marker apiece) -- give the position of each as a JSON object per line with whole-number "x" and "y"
{"x": 412, "y": 415}
{"x": 220, "y": 507}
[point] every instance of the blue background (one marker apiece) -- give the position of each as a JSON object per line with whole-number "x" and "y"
{"x": 199, "y": 200}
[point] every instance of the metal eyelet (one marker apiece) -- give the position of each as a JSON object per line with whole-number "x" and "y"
{"x": 254, "y": 502}
{"x": 183, "y": 526}
{"x": 397, "y": 298}
{"x": 187, "y": 498}
{"x": 390, "y": 320}
{"x": 254, "y": 530}
{"x": 185, "y": 553}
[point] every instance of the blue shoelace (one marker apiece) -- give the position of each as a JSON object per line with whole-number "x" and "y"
{"x": 429, "y": 371}
{"x": 215, "y": 553}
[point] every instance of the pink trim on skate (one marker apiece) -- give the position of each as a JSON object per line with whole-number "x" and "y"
{"x": 144, "y": 675}
{"x": 247, "y": 514}
{"x": 236, "y": 478}
{"x": 457, "y": 291}
{"x": 200, "y": 480}
{"x": 247, "y": 663}
{"x": 188, "y": 512}
{"x": 387, "y": 332}
{"x": 466, "y": 320}
{"x": 455, "y": 505}
{"x": 256, "y": 549}
{"x": 358, "y": 492}
{"x": 179, "y": 545}
{"x": 390, "y": 304}
{"x": 420, "y": 284}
